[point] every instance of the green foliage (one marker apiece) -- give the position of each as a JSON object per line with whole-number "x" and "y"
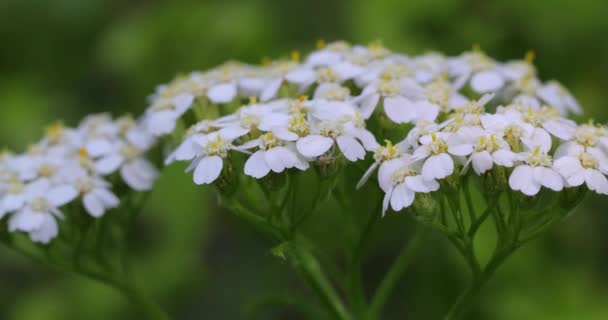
{"x": 68, "y": 58}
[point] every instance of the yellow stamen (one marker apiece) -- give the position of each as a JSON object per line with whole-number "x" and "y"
{"x": 320, "y": 44}
{"x": 295, "y": 56}
{"x": 54, "y": 130}
{"x": 83, "y": 152}
{"x": 530, "y": 56}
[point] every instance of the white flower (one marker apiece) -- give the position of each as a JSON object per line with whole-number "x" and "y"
{"x": 403, "y": 99}
{"x": 307, "y": 75}
{"x": 37, "y": 217}
{"x": 483, "y": 72}
{"x": 97, "y": 196}
{"x": 135, "y": 170}
{"x": 537, "y": 167}
{"x": 222, "y": 92}
{"x": 550, "y": 120}
{"x": 381, "y": 155}
{"x": 273, "y": 154}
{"x": 161, "y": 117}
{"x": 400, "y": 180}
{"x": 211, "y": 150}
{"x": 435, "y": 151}
{"x": 12, "y": 196}
{"x": 584, "y": 166}
{"x": 554, "y": 94}
{"x": 348, "y": 138}
{"x": 483, "y": 148}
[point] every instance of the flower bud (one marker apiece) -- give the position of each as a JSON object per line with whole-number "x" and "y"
{"x": 228, "y": 181}
{"x": 425, "y": 208}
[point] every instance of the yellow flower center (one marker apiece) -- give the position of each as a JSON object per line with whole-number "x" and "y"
{"x": 387, "y": 152}
{"x": 588, "y": 161}
{"x": 217, "y": 147}
{"x": 39, "y": 204}
{"x": 299, "y": 125}
{"x": 47, "y": 170}
{"x": 326, "y": 75}
{"x": 538, "y": 158}
{"x": 129, "y": 152}
{"x": 437, "y": 145}
{"x": 388, "y": 87}
{"x": 269, "y": 141}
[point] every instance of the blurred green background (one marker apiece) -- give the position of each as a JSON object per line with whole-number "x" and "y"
{"x": 63, "y": 59}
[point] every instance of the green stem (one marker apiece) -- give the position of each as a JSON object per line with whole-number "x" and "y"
{"x": 395, "y": 273}
{"x": 468, "y": 295}
{"x": 149, "y": 308}
{"x": 311, "y": 269}
{"x": 354, "y": 289}
{"x": 255, "y": 220}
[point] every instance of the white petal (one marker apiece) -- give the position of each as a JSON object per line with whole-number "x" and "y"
{"x": 461, "y": 149}
{"x": 301, "y": 76}
{"x": 347, "y": 70}
{"x": 98, "y": 147}
{"x": 139, "y": 174}
{"x": 208, "y": 170}
{"x": 418, "y": 184}
{"x": 314, "y": 145}
{"x": 568, "y": 148}
{"x": 271, "y": 90}
{"x": 187, "y": 150}
{"x": 222, "y": 93}
{"x": 400, "y": 109}
{"x": 402, "y": 197}
{"x": 570, "y": 168}
{"x": 504, "y": 158}
{"x": 61, "y": 195}
{"x": 367, "y": 174}
{"x": 109, "y": 164}
{"x": 487, "y": 81}
{"x": 437, "y": 167}
{"x": 274, "y": 159}
{"x": 368, "y": 105}
{"x": 26, "y": 220}
{"x": 482, "y": 162}
{"x": 284, "y": 134}
{"x": 256, "y": 165}
{"x": 548, "y": 178}
{"x": 109, "y": 199}
{"x": 540, "y": 138}
{"x": 562, "y": 129}
{"x": 351, "y": 148}
{"x": 12, "y": 202}
{"x": 160, "y": 122}
{"x": 596, "y": 181}
{"x": 47, "y": 231}
{"x": 521, "y": 180}
{"x": 182, "y": 102}
{"x": 367, "y": 139}
{"x": 386, "y": 201}
{"x": 93, "y": 205}
{"x": 426, "y": 111}
{"x": 232, "y": 132}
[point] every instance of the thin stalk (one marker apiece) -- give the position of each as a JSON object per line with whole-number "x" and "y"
{"x": 395, "y": 273}
{"x": 311, "y": 269}
{"x": 355, "y": 290}
{"x": 468, "y": 295}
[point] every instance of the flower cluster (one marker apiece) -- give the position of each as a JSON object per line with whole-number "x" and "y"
{"x": 446, "y": 116}
{"x": 71, "y": 165}
{"x": 460, "y": 115}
